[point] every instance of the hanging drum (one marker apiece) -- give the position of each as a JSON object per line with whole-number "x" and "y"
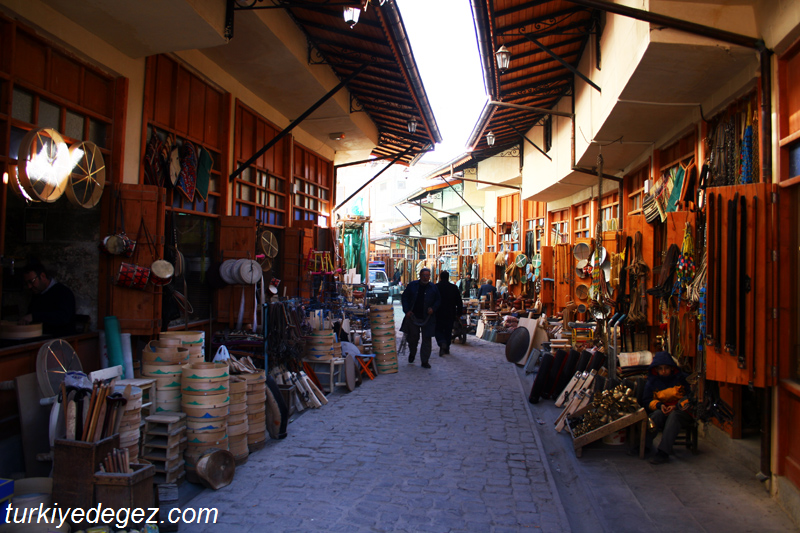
{"x": 582, "y": 292}
{"x": 44, "y": 165}
{"x": 161, "y": 272}
{"x": 580, "y": 268}
{"x": 581, "y": 251}
{"x": 88, "y": 176}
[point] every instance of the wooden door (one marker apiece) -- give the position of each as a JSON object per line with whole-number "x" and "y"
{"x": 293, "y": 259}
{"x": 141, "y": 207}
{"x": 237, "y": 240}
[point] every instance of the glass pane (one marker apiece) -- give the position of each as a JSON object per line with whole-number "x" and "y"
{"x": 212, "y": 204}
{"x": 247, "y": 193}
{"x": 22, "y": 106}
{"x": 212, "y": 184}
{"x": 49, "y": 115}
{"x": 298, "y": 200}
{"x": 199, "y": 204}
{"x": 281, "y": 203}
{"x": 16, "y": 138}
{"x": 97, "y": 132}
{"x": 246, "y": 210}
{"x": 74, "y": 126}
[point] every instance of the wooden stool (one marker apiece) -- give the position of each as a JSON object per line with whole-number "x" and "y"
{"x": 335, "y": 369}
{"x": 148, "y": 386}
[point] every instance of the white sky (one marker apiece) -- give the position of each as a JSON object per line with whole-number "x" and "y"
{"x": 442, "y": 36}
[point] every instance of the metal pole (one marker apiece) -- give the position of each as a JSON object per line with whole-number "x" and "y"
{"x": 446, "y": 229}
{"x": 566, "y": 65}
{"x": 531, "y": 142}
{"x": 468, "y": 205}
{"x": 384, "y": 169}
{"x": 412, "y": 224}
{"x": 296, "y": 121}
{"x": 670, "y": 22}
{"x": 532, "y": 109}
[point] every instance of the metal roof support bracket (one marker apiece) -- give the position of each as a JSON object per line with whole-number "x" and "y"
{"x": 564, "y": 63}
{"x": 384, "y": 169}
{"x": 468, "y": 205}
{"x": 297, "y": 121}
{"x": 531, "y": 142}
{"x": 412, "y": 224}
{"x": 446, "y": 229}
{"x": 674, "y": 23}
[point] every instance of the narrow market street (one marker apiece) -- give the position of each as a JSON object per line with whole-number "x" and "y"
{"x": 456, "y": 448}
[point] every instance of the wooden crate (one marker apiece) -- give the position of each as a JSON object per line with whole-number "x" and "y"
{"x": 125, "y": 490}
{"x": 639, "y": 416}
{"x": 74, "y": 465}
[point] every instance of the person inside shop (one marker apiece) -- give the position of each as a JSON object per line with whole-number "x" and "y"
{"x": 449, "y": 311}
{"x": 466, "y": 284}
{"x": 52, "y": 303}
{"x": 488, "y": 289}
{"x": 667, "y": 397}
{"x": 420, "y": 301}
{"x": 396, "y": 277}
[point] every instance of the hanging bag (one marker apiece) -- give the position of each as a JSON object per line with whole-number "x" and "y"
{"x": 133, "y": 275}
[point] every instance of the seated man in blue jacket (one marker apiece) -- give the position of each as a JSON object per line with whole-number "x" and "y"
{"x": 420, "y": 301}
{"x": 666, "y": 398}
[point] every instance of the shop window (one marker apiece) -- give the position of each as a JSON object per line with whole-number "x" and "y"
{"x": 559, "y": 227}
{"x": 609, "y": 212}
{"x": 41, "y": 90}
{"x": 634, "y": 186}
{"x": 583, "y": 220}
{"x": 313, "y": 178}
{"x": 261, "y": 190}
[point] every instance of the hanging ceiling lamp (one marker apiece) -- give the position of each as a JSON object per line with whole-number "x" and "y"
{"x": 351, "y": 15}
{"x": 503, "y": 58}
{"x": 412, "y": 125}
{"x": 490, "y": 138}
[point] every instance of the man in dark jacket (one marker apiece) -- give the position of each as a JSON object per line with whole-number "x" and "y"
{"x": 52, "y": 303}
{"x": 466, "y": 285}
{"x": 666, "y": 398}
{"x": 420, "y": 302}
{"x": 449, "y": 311}
{"x": 488, "y": 290}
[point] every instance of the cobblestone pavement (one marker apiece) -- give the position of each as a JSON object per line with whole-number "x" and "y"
{"x": 446, "y": 449}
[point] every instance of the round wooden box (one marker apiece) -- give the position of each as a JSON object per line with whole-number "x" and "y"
{"x": 206, "y": 371}
{"x": 198, "y": 387}
{"x": 204, "y": 412}
{"x": 210, "y": 401}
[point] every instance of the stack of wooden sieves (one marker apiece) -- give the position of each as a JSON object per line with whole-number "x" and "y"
{"x": 256, "y": 410}
{"x": 162, "y": 360}
{"x": 237, "y": 420}
{"x": 194, "y": 341}
{"x": 205, "y": 400}
{"x": 319, "y": 345}
{"x": 129, "y": 429}
{"x": 384, "y": 343}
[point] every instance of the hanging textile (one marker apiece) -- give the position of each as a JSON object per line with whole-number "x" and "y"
{"x": 353, "y": 238}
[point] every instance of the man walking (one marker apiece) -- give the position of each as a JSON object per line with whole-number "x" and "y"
{"x": 420, "y": 302}
{"x": 466, "y": 284}
{"x": 449, "y": 311}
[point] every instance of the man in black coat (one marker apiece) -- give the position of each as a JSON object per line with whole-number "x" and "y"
{"x": 52, "y": 303}
{"x": 449, "y": 310}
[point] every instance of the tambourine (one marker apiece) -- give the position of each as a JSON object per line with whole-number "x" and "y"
{"x": 161, "y": 272}
{"x": 132, "y": 276}
{"x": 119, "y": 244}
